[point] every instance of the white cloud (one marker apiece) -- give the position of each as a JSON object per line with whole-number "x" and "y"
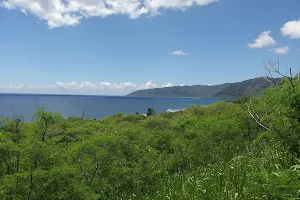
{"x": 155, "y": 5}
{"x": 33, "y": 87}
{"x": 20, "y": 86}
{"x": 24, "y": 11}
{"x": 87, "y": 85}
{"x": 179, "y": 53}
{"x": 263, "y": 40}
{"x": 123, "y": 86}
{"x": 57, "y": 13}
{"x": 101, "y": 88}
{"x": 104, "y": 85}
{"x": 281, "y": 50}
{"x": 149, "y": 85}
{"x": 168, "y": 85}
{"x": 128, "y": 85}
{"x": 182, "y": 85}
{"x": 291, "y": 29}
{"x": 65, "y": 86}
{"x": 7, "y": 5}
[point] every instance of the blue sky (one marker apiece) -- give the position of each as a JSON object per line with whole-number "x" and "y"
{"x": 118, "y": 46}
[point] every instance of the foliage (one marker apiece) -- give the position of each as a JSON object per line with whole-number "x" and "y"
{"x": 248, "y": 176}
{"x": 278, "y": 111}
{"x": 213, "y": 152}
{"x": 150, "y": 112}
{"x": 243, "y": 100}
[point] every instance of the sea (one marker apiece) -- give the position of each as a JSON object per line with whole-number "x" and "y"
{"x": 93, "y": 107}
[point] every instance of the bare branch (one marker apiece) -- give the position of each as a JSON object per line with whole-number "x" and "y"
{"x": 256, "y": 118}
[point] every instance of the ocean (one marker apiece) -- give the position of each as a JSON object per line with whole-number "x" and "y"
{"x": 95, "y": 107}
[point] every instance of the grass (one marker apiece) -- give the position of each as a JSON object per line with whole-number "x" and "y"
{"x": 244, "y": 177}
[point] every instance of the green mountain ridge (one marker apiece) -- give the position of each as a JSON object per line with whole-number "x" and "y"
{"x": 251, "y": 87}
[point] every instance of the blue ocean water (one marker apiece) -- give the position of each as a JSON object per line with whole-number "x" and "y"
{"x": 95, "y": 107}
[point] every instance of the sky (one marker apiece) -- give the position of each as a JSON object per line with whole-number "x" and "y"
{"x": 114, "y": 47}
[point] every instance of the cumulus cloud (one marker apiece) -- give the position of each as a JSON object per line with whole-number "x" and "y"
{"x": 281, "y": 50}
{"x": 168, "y": 85}
{"x": 104, "y": 85}
{"x": 61, "y": 85}
{"x": 263, "y": 40}
{"x": 100, "y": 88}
{"x": 58, "y": 13}
{"x": 149, "y": 85}
{"x": 155, "y": 5}
{"x": 87, "y": 85}
{"x": 179, "y": 53}
{"x": 291, "y": 29}
{"x": 7, "y": 5}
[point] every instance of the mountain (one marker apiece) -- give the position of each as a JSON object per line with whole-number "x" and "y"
{"x": 227, "y": 90}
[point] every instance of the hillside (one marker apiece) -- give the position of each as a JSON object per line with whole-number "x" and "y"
{"x": 227, "y": 90}
{"x": 215, "y": 152}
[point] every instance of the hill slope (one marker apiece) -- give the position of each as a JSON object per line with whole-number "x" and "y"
{"x": 227, "y": 90}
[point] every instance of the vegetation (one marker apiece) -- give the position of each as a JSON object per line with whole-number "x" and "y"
{"x": 150, "y": 112}
{"x": 243, "y": 150}
{"x": 227, "y": 90}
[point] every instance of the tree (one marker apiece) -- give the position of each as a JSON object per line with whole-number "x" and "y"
{"x": 150, "y": 112}
{"x": 45, "y": 122}
{"x": 278, "y": 111}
